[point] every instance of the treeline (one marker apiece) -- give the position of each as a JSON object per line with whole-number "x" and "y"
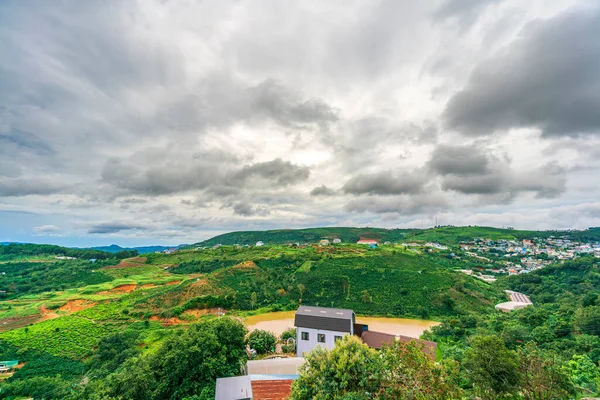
{"x": 15, "y": 250}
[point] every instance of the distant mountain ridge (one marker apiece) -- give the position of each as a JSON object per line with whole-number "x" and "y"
{"x": 114, "y": 248}
{"x": 442, "y": 234}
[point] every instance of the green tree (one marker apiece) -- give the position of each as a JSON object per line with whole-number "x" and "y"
{"x": 301, "y": 289}
{"x": 365, "y": 297}
{"x": 187, "y": 364}
{"x": 587, "y": 319}
{"x": 408, "y": 373}
{"x": 351, "y": 370}
{"x": 492, "y": 367}
{"x": 541, "y": 376}
{"x": 262, "y": 341}
{"x": 253, "y": 300}
{"x": 584, "y": 374}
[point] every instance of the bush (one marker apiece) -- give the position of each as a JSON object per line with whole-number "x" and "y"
{"x": 262, "y": 341}
{"x": 288, "y": 333}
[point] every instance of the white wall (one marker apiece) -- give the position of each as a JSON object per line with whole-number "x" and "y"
{"x": 304, "y": 346}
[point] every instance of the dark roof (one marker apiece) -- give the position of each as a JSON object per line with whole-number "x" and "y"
{"x": 326, "y": 312}
{"x": 271, "y": 389}
{"x": 331, "y": 319}
{"x": 377, "y": 340}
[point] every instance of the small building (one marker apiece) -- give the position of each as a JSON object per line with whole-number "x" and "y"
{"x": 337, "y": 240}
{"x": 324, "y": 242}
{"x": 321, "y": 326}
{"x": 8, "y": 365}
{"x": 259, "y": 243}
{"x": 367, "y": 241}
{"x": 517, "y": 301}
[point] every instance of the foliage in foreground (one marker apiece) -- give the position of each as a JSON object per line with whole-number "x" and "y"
{"x": 352, "y": 370}
{"x": 187, "y": 364}
{"x": 262, "y": 341}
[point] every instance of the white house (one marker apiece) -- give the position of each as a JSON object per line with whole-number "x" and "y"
{"x": 321, "y": 326}
{"x": 337, "y": 240}
{"x": 259, "y": 243}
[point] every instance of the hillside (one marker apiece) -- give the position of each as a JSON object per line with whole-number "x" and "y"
{"x": 446, "y": 235}
{"x": 113, "y": 248}
{"x": 69, "y": 316}
{"x": 310, "y": 235}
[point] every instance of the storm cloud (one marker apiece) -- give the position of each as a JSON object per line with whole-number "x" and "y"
{"x": 142, "y": 121}
{"x": 548, "y": 79}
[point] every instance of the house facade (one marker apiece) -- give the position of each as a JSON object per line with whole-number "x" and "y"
{"x": 321, "y": 327}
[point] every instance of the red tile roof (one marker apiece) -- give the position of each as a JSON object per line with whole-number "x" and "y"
{"x": 272, "y": 389}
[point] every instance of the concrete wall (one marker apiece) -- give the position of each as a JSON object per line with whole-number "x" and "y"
{"x": 304, "y": 346}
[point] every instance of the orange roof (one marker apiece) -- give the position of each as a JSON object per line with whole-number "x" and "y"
{"x": 365, "y": 241}
{"x": 279, "y": 389}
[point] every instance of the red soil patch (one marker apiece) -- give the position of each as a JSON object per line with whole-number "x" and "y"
{"x": 246, "y": 265}
{"x": 120, "y": 289}
{"x": 129, "y": 263}
{"x": 173, "y": 283}
{"x": 168, "y": 321}
{"x": 147, "y": 286}
{"x": 197, "y": 313}
{"x": 76, "y": 305}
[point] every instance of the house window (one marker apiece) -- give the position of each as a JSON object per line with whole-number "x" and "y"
{"x": 336, "y": 338}
{"x": 304, "y": 335}
{"x": 321, "y": 338}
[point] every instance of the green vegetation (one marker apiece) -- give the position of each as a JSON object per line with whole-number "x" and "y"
{"x": 262, "y": 341}
{"x": 120, "y": 327}
{"x": 354, "y": 371}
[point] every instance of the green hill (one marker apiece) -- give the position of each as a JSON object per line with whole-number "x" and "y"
{"x": 444, "y": 234}
{"x": 310, "y": 235}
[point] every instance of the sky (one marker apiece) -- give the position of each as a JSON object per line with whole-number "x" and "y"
{"x": 167, "y": 122}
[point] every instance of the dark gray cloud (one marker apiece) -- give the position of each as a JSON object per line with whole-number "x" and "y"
{"x": 322, "y": 191}
{"x": 458, "y": 160}
{"x": 113, "y": 227}
{"x": 546, "y": 182}
{"x": 247, "y": 210}
{"x": 549, "y": 78}
{"x": 278, "y": 171}
{"x": 15, "y": 187}
{"x": 385, "y": 183}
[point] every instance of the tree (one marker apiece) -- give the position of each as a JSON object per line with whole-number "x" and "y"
{"x": 584, "y": 373}
{"x": 253, "y": 299}
{"x": 301, "y": 289}
{"x": 492, "y": 367}
{"x": 408, "y": 373}
{"x": 587, "y": 320}
{"x": 262, "y": 341}
{"x": 541, "y": 377}
{"x": 186, "y": 364}
{"x": 365, "y": 297}
{"x": 351, "y": 370}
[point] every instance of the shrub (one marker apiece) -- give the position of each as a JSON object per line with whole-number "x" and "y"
{"x": 262, "y": 341}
